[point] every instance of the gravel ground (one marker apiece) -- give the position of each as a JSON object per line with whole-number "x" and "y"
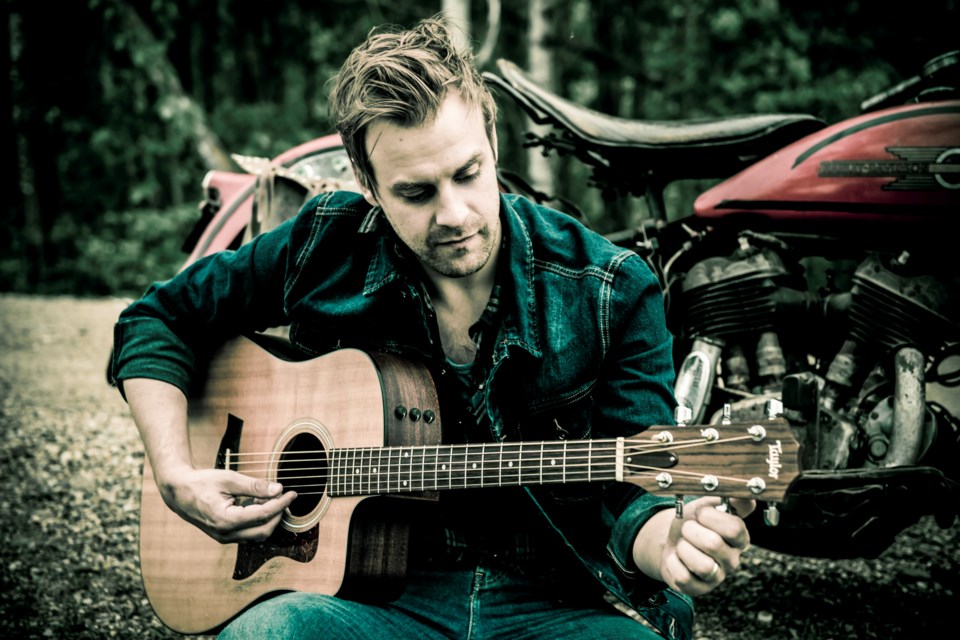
{"x": 71, "y": 462}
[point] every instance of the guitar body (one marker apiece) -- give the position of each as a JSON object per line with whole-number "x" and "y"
{"x": 255, "y": 414}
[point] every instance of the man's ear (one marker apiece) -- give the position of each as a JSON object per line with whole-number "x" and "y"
{"x": 365, "y": 189}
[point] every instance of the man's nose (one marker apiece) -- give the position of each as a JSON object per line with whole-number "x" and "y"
{"x": 452, "y": 209}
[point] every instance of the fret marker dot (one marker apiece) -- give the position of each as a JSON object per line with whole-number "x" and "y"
{"x": 404, "y": 483}
{"x": 474, "y": 465}
{"x": 510, "y": 464}
{"x": 356, "y": 470}
{"x": 374, "y": 470}
{"x": 444, "y": 467}
{"x": 553, "y": 462}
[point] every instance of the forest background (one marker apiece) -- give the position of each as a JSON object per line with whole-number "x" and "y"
{"x": 115, "y": 109}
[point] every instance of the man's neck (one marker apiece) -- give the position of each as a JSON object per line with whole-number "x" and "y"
{"x": 459, "y": 303}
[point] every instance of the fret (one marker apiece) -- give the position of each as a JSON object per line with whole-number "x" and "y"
{"x": 355, "y": 478}
{"x": 436, "y": 468}
{"x": 500, "y": 467}
{"x": 360, "y": 469}
{"x": 407, "y": 480}
{"x": 483, "y": 462}
{"x": 541, "y": 462}
{"x": 387, "y": 471}
{"x": 334, "y": 481}
{"x": 511, "y": 454}
{"x": 348, "y": 471}
{"x": 416, "y": 462}
{"x": 564, "y": 463}
{"x": 551, "y": 457}
{"x": 529, "y": 469}
{"x": 396, "y": 468}
{"x": 374, "y": 472}
{"x": 579, "y": 462}
{"x": 445, "y": 463}
{"x": 458, "y": 465}
{"x": 589, "y": 462}
{"x": 379, "y": 470}
{"x": 474, "y": 466}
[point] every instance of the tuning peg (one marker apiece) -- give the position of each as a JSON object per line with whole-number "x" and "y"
{"x": 771, "y": 515}
{"x": 726, "y": 507}
{"x": 773, "y": 408}
{"x": 727, "y": 414}
{"x": 682, "y": 415}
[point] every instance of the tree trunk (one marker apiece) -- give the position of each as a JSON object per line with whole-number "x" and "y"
{"x": 458, "y": 12}
{"x": 173, "y": 97}
{"x": 541, "y": 68}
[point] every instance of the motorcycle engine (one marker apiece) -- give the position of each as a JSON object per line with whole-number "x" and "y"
{"x": 851, "y": 344}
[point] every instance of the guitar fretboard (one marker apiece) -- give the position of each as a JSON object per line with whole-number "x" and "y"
{"x": 373, "y": 471}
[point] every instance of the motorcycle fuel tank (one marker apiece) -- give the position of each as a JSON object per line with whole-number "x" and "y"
{"x": 899, "y": 165}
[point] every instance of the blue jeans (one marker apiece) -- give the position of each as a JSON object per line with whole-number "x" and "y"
{"x": 478, "y": 604}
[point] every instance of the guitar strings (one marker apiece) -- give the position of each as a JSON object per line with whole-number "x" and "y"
{"x": 586, "y": 455}
{"x": 515, "y": 447}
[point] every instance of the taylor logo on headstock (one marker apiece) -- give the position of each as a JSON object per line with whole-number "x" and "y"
{"x": 773, "y": 459}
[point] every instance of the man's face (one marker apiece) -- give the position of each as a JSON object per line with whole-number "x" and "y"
{"x": 437, "y": 185}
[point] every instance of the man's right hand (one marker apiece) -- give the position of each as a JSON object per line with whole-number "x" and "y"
{"x": 226, "y": 505}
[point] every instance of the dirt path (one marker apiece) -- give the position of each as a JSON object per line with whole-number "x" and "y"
{"x": 71, "y": 460}
{"x": 70, "y": 516}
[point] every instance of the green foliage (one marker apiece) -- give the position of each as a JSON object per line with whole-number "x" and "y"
{"x": 124, "y": 252}
{"x": 113, "y": 126}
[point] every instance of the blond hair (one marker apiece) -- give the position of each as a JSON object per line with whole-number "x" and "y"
{"x": 403, "y": 77}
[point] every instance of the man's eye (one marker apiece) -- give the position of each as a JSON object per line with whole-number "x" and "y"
{"x": 470, "y": 177}
{"x": 416, "y": 196}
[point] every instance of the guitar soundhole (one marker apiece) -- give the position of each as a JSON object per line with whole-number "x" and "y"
{"x": 303, "y": 468}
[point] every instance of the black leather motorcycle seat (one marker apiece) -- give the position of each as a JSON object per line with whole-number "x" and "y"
{"x": 756, "y": 134}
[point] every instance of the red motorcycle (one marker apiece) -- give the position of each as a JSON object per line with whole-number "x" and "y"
{"x": 819, "y": 272}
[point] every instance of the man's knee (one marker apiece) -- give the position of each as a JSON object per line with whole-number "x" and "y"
{"x": 296, "y": 616}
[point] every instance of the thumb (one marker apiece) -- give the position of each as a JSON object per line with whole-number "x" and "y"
{"x": 242, "y": 485}
{"x": 743, "y": 507}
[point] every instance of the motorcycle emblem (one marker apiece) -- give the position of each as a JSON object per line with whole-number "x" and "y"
{"x": 917, "y": 169}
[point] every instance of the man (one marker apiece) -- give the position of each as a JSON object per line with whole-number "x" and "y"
{"x": 534, "y": 329}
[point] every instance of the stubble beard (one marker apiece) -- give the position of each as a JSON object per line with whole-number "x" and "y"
{"x": 458, "y": 263}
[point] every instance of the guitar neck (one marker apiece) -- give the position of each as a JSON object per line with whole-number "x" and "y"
{"x": 745, "y": 460}
{"x": 372, "y": 471}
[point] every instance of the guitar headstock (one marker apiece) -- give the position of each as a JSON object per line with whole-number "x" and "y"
{"x": 756, "y": 460}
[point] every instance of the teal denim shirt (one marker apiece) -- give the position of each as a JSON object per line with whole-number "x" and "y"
{"x": 582, "y": 352}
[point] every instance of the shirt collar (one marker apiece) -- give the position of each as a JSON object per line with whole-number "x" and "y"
{"x": 518, "y": 303}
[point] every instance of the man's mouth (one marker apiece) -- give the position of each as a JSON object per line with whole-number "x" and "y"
{"x": 455, "y": 242}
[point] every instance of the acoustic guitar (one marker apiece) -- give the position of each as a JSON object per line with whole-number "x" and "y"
{"x": 357, "y": 436}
